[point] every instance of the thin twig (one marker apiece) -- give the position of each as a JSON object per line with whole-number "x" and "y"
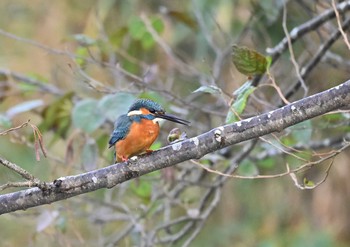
{"x": 346, "y": 40}
{"x": 38, "y": 142}
{"x": 305, "y": 71}
{"x": 28, "y": 184}
{"x": 306, "y": 27}
{"x": 282, "y": 150}
{"x": 287, "y": 172}
{"x": 17, "y": 169}
{"x": 308, "y": 187}
{"x": 184, "y": 68}
{"x": 5, "y": 132}
{"x": 290, "y": 47}
{"x": 31, "y": 81}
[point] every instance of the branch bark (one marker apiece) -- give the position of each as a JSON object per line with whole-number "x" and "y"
{"x": 193, "y": 148}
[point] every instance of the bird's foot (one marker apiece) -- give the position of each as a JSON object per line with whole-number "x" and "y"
{"x": 124, "y": 159}
{"x": 148, "y": 151}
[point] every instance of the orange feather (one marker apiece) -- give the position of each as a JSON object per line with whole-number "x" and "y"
{"x": 138, "y": 140}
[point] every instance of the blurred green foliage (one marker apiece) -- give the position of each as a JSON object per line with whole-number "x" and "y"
{"x": 162, "y": 50}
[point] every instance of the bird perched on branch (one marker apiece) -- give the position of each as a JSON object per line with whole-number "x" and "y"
{"x": 135, "y": 131}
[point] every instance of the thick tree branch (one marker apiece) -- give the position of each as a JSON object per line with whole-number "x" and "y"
{"x": 193, "y": 148}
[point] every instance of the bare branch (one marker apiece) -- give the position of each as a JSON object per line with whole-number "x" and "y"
{"x": 19, "y": 185}
{"x": 17, "y": 169}
{"x": 291, "y": 52}
{"x": 308, "y": 187}
{"x": 346, "y": 40}
{"x": 306, "y": 27}
{"x": 305, "y": 71}
{"x": 307, "y": 165}
{"x": 183, "y": 67}
{"x": 193, "y": 148}
{"x": 5, "y": 132}
{"x": 31, "y": 81}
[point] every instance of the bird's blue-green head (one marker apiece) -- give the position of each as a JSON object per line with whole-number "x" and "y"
{"x": 146, "y": 108}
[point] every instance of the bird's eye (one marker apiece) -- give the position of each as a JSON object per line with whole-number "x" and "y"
{"x": 152, "y": 111}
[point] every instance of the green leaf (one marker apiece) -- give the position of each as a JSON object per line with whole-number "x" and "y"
{"x": 269, "y": 62}
{"x": 117, "y": 37}
{"x": 308, "y": 183}
{"x": 239, "y": 104}
{"x": 247, "y": 61}
{"x": 87, "y": 116}
{"x": 89, "y": 155}
{"x": 114, "y": 105}
{"x": 157, "y": 24}
{"x": 81, "y": 53}
{"x": 138, "y": 31}
{"x": 136, "y": 28}
{"x": 333, "y": 118}
{"x": 208, "y": 89}
{"x": 147, "y": 41}
{"x": 57, "y": 116}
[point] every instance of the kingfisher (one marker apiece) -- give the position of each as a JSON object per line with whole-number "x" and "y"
{"x": 135, "y": 131}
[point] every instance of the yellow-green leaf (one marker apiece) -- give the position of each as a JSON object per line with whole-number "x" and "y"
{"x": 241, "y": 96}
{"x": 208, "y": 89}
{"x": 57, "y": 116}
{"x": 308, "y": 183}
{"x": 247, "y": 61}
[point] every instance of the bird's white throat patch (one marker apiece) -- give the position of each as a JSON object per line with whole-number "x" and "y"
{"x": 136, "y": 112}
{"x": 157, "y": 120}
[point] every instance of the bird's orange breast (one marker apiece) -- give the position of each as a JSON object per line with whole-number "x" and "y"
{"x": 139, "y": 139}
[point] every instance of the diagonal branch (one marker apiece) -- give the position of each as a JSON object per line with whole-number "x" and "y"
{"x": 305, "y": 71}
{"x": 306, "y": 27}
{"x": 193, "y": 148}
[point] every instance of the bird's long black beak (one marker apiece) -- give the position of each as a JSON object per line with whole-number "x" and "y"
{"x": 172, "y": 118}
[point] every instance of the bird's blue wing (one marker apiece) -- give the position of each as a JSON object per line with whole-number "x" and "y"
{"x": 121, "y": 129}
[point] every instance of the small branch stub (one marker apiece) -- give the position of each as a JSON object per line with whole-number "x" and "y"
{"x": 218, "y": 135}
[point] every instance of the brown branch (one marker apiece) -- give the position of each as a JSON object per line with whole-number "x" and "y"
{"x": 45, "y": 87}
{"x": 19, "y": 184}
{"x": 346, "y": 40}
{"x": 291, "y": 51}
{"x": 306, "y": 27}
{"x": 193, "y": 148}
{"x": 17, "y": 169}
{"x": 305, "y": 71}
{"x": 288, "y": 171}
{"x": 5, "y": 132}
